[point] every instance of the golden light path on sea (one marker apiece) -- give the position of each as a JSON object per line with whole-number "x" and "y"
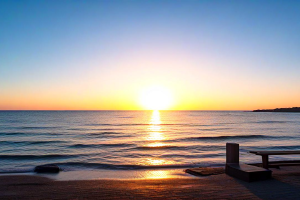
{"x": 154, "y": 139}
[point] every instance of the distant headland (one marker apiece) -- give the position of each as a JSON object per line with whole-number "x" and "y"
{"x": 293, "y": 109}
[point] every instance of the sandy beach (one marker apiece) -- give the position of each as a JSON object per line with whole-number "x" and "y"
{"x": 284, "y": 185}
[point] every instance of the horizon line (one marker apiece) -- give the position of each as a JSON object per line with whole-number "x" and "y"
{"x": 113, "y": 110}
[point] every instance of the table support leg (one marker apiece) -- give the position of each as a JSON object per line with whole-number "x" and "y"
{"x": 265, "y": 161}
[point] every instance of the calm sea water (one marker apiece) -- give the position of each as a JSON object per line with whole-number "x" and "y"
{"x": 126, "y": 140}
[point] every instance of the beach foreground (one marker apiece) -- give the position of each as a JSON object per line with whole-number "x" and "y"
{"x": 284, "y": 185}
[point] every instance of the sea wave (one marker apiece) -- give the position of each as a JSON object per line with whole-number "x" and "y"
{"x": 287, "y": 147}
{"x": 228, "y": 137}
{"x": 158, "y": 147}
{"x": 148, "y": 124}
{"x": 30, "y": 142}
{"x": 188, "y": 148}
{"x": 29, "y": 157}
{"x": 12, "y": 133}
{"x": 192, "y": 155}
{"x": 121, "y": 167}
{"x": 38, "y": 127}
{"x": 271, "y": 122}
{"x": 110, "y": 133}
{"x": 100, "y": 145}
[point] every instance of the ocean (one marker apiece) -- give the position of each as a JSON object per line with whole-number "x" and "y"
{"x": 137, "y": 140}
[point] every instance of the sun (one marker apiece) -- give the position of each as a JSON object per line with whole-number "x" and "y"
{"x": 156, "y": 98}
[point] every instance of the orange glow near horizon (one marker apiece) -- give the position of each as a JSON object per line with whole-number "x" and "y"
{"x": 161, "y": 96}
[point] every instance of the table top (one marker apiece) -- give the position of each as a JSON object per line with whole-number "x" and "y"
{"x": 274, "y": 152}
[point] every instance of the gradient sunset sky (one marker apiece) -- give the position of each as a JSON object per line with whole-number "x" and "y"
{"x": 208, "y": 55}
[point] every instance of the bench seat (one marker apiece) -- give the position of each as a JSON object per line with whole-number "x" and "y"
{"x": 247, "y": 173}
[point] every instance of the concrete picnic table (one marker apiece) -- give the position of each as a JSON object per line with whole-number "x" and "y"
{"x": 265, "y": 155}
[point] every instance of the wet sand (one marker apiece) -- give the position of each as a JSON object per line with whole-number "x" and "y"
{"x": 284, "y": 185}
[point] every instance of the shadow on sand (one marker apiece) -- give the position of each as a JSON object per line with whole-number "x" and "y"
{"x": 272, "y": 189}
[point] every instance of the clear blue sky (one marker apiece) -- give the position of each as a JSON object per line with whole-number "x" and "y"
{"x": 100, "y": 54}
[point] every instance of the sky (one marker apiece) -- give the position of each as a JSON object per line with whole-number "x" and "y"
{"x": 105, "y": 55}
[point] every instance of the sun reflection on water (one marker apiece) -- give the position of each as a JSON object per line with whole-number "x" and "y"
{"x": 155, "y": 138}
{"x": 157, "y": 174}
{"x": 154, "y": 128}
{"x": 156, "y": 162}
{"x": 155, "y": 119}
{"x": 156, "y": 144}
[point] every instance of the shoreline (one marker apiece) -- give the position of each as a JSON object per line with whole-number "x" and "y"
{"x": 285, "y": 184}
{"x": 105, "y": 174}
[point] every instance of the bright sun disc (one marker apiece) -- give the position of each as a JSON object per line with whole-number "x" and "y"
{"x": 156, "y": 98}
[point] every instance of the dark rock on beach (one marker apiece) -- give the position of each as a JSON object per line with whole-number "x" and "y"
{"x": 50, "y": 168}
{"x": 205, "y": 171}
